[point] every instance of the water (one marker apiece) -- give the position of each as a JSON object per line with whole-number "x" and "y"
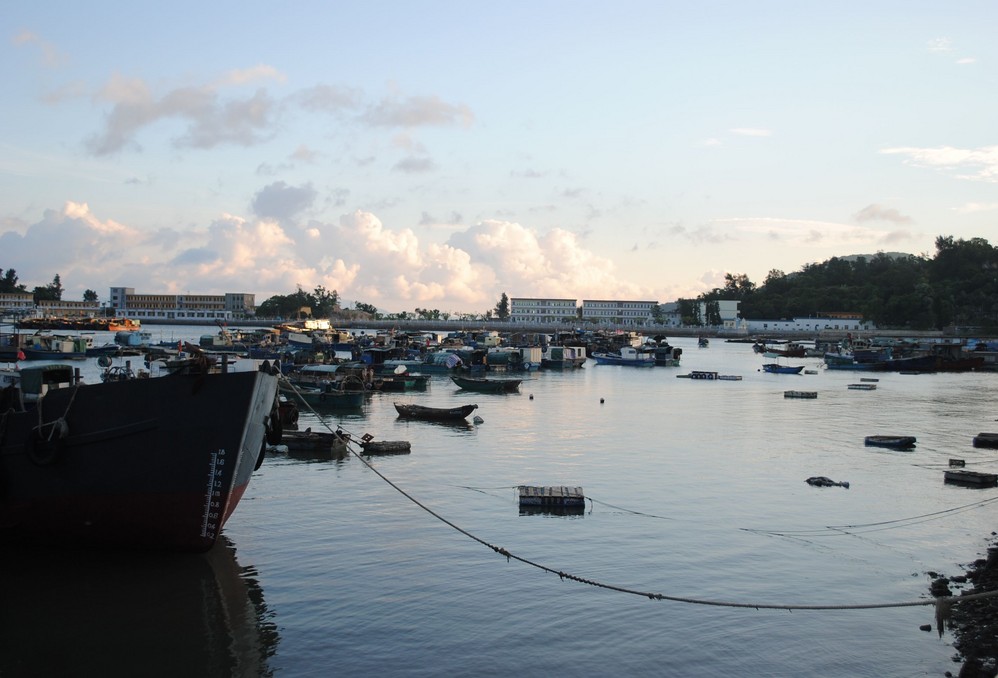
{"x": 698, "y": 492}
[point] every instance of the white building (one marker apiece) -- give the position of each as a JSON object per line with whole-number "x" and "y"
{"x": 810, "y": 325}
{"x": 127, "y": 304}
{"x": 618, "y": 312}
{"x": 530, "y": 310}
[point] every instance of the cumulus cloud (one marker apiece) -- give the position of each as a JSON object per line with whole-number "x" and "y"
{"x": 876, "y": 212}
{"x": 282, "y": 202}
{"x": 414, "y": 165}
{"x": 977, "y": 164}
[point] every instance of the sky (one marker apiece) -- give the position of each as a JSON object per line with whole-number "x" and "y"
{"x": 439, "y": 154}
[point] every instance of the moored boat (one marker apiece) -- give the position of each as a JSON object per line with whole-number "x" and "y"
{"x": 408, "y": 411}
{"x": 156, "y": 463}
{"x": 483, "y": 385}
{"x": 627, "y": 355}
{"x": 895, "y": 442}
{"x": 776, "y": 368}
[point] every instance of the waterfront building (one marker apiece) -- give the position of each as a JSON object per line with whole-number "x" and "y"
{"x": 61, "y": 308}
{"x": 127, "y": 304}
{"x": 842, "y": 322}
{"x": 618, "y": 312}
{"x": 17, "y": 303}
{"x": 531, "y": 310}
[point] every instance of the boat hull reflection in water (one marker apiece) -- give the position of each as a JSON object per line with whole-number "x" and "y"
{"x": 106, "y": 613}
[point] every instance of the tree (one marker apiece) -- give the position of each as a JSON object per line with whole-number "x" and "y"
{"x": 90, "y": 295}
{"x": 367, "y": 308}
{"x": 502, "y": 308}
{"x": 50, "y": 292}
{"x": 8, "y": 283}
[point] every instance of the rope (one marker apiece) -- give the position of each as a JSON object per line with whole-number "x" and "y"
{"x": 943, "y": 604}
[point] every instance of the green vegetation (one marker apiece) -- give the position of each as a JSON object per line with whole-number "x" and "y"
{"x": 320, "y": 303}
{"x": 959, "y": 286}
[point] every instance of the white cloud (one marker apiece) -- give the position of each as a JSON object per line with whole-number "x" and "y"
{"x": 940, "y": 45}
{"x": 982, "y": 163}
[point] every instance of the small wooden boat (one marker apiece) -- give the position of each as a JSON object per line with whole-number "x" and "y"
{"x": 434, "y": 413}
{"x": 627, "y": 355}
{"x": 386, "y": 446}
{"x": 972, "y": 478}
{"x": 776, "y": 368}
{"x": 315, "y": 444}
{"x": 800, "y": 394}
{"x": 824, "y": 481}
{"x": 483, "y": 385}
{"x": 328, "y": 396}
{"x": 895, "y": 442}
{"x": 862, "y": 387}
{"x": 986, "y": 440}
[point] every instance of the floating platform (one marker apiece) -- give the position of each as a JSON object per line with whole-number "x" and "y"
{"x": 871, "y": 379}
{"x": 986, "y": 440}
{"x": 559, "y": 496}
{"x": 709, "y": 376}
{"x": 863, "y": 387}
{"x": 957, "y": 463}
{"x": 971, "y": 478}
{"x": 810, "y": 395}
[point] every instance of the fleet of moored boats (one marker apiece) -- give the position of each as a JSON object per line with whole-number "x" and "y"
{"x": 159, "y": 458}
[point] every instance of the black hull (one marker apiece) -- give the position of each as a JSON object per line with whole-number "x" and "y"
{"x": 146, "y": 463}
{"x": 434, "y": 413}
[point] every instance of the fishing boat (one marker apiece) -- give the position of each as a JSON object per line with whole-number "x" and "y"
{"x": 627, "y": 355}
{"x": 776, "y": 368}
{"x": 434, "y": 413}
{"x": 157, "y": 463}
{"x": 327, "y": 396}
{"x": 483, "y": 385}
{"x": 895, "y": 442}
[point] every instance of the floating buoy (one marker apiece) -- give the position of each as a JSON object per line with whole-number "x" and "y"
{"x": 478, "y": 420}
{"x": 531, "y": 396}
{"x": 600, "y": 401}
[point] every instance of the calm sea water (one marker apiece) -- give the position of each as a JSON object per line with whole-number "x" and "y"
{"x": 697, "y": 492}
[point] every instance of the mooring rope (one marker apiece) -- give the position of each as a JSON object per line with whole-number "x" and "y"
{"x": 943, "y": 605}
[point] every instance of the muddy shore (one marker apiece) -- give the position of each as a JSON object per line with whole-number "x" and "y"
{"x": 974, "y": 623}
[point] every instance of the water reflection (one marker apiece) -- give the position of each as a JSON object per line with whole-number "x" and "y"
{"x": 102, "y": 613}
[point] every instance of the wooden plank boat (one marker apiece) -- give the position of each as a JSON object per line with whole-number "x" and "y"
{"x": 386, "y": 446}
{"x": 483, "y": 385}
{"x": 315, "y": 444}
{"x": 975, "y": 478}
{"x": 434, "y": 413}
{"x": 895, "y": 442}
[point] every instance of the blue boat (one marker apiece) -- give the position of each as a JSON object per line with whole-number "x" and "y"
{"x": 776, "y": 368}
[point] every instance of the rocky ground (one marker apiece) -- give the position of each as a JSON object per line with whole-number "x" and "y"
{"x": 974, "y": 623}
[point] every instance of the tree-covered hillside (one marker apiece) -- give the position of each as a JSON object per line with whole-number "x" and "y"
{"x": 958, "y": 286}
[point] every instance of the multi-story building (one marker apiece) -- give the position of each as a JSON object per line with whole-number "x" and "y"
{"x": 618, "y": 312}
{"x": 127, "y": 304}
{"x": 17, "y": 303}
{"x": 52, "y": 308}
{"x": 528, "y": 310}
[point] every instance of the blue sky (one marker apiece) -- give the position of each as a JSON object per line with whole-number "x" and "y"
{"x": 438, "y": 154}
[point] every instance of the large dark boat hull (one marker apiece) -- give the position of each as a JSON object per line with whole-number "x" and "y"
{"x": 145, "y": 463}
